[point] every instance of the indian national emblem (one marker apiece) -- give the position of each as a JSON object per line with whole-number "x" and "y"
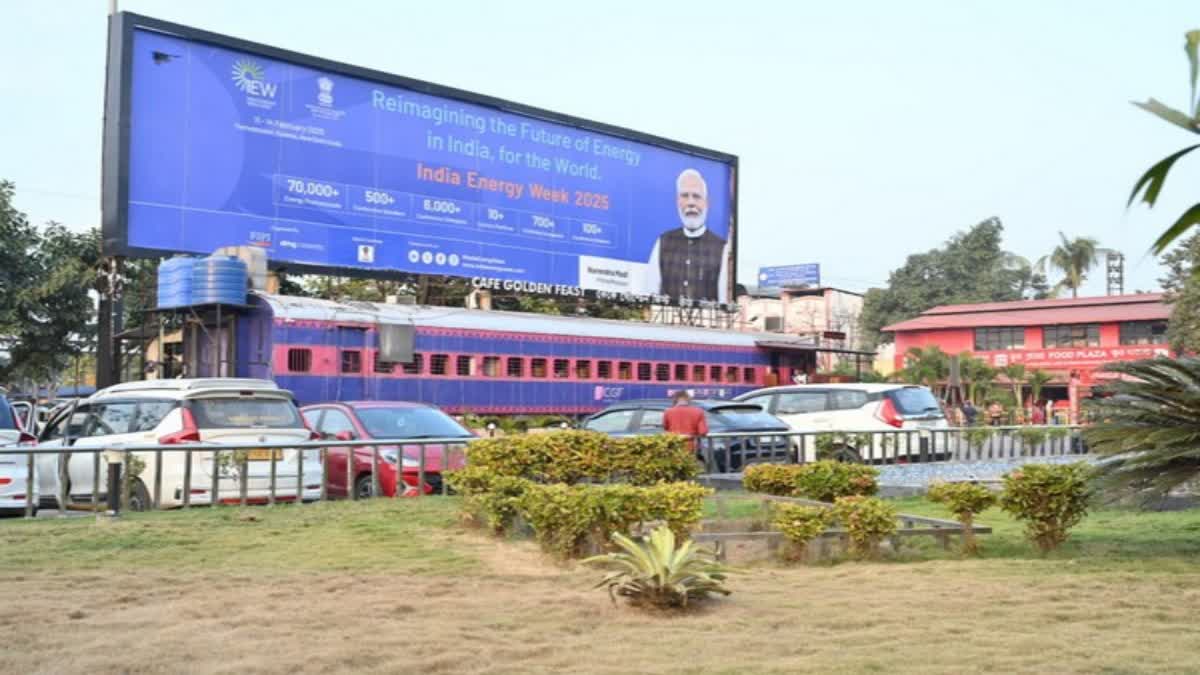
{"x": 325, "y": 95}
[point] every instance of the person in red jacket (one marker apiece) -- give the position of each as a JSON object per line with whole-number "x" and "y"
{"x": 684, "y": 418}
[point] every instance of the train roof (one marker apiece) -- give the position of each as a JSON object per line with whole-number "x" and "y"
{"x": 313, "y": 309}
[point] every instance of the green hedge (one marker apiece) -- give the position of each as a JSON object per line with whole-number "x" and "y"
{"x": 572, "y": 457}
{"x": 823, "y": 481}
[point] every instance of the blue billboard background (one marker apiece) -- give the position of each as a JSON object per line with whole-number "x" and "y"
{"x": 790, "y": 275}
{"x": 319, "y": 168}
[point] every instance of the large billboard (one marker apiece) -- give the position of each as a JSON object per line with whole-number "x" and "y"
{"x": 212, "y": 141}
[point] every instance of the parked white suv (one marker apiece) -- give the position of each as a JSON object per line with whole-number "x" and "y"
{"x": 207, "y": 412}
{"x": 858, "y": 407}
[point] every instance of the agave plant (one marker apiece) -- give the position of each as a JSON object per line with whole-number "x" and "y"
{"x": 1149, "y": 429}
{"x": 654, "y": 573}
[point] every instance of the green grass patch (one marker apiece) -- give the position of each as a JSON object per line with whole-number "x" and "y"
{"x": 370, "y": 536}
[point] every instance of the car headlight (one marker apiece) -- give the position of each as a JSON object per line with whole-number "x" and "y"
{"x": 390, "y": 457}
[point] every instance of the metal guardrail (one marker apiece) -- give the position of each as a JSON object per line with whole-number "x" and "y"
{"x": 729, "y": 452}
{"x": 231, "y": 461}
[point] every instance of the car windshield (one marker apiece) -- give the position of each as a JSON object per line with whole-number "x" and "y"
{"x": 742, "y": 417}
{"x": 258, "y": 413}
{"x": 914, "y": 401}
{"x": 410, "y": 423}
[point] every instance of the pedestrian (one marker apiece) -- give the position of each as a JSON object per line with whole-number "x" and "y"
{"x": 685, "y": 419}
{"x": 995, "y": 413}
{"x": 970, "y": 412}
{"x": 1038, "y": 414}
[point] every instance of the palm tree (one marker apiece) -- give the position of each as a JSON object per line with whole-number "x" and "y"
{"x": 1189, "y": 119}
{"x": 1015, "y": 372}
{"x": 1037, "y": 380}
{"x": 1073, "y": 258}
{"x": 1149, "y": 428}
{"x": 929, "y": 366}
{"x": 978, "y": 375}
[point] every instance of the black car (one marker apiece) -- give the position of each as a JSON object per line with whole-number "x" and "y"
{"x": 645, "y": 417}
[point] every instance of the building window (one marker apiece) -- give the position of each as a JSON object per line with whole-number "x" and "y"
{"x": 537, "y": 367}
{"x": 749, "y": 375}
{"x": 516, "y": 366}
{"x": 562, "y": 369}
{"x": 731, "y": 374}
{"x": 583, "y": 369}
{"x": 662, "y": 372}
{"x": 999, "y": 339}
{"x": 299, "y": 360}
{"x": 438, "y": 364}
{"x": 604, "y": 370}
{"x": 1143, "y": 332}
{"x": 351, "y": 361}
{"x": 681, "y": 372}
{"x": 1078, "y": 335}
{"x": 644, "y": 372}
{"x": 624, "y": 370}
{"x": 714, "y": 373}
{"x": 462, "y": 366}
{"x": 384, "y": 367}
{"x": 491, "y": 366}
{"x": 697, "y": 373}
{"x": 416, "y": 366}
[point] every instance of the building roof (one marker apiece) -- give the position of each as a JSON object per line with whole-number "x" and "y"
{"x": 1103, "y": 309}
{"x": 775, "y": 291}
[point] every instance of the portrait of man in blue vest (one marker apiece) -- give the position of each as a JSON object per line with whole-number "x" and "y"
{"x": 689, "y": 261}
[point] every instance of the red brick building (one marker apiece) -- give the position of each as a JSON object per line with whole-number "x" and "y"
{"x": 1069, "y": 338}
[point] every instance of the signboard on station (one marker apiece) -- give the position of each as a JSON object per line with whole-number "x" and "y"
{"x": 790, "y": 275}
{"x": 211, "y": 142}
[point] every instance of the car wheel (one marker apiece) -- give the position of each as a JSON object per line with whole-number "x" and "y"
{"x": 363, "y": 489}
{"x": 139, "y": 497}
{"x": 845, "y": 454}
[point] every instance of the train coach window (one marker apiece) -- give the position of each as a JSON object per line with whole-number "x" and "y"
{"x": 681, "y": 372}
{"x": 625, "y": 370}
{"x": 537, "y": 367}
{"x": 714, "y": 373}
{"x": 562, "y": 369}
{"x": 731, "y": 374}
{"x": 491, "y": 366}
{"x": 438, "y": 363}
{"x": 384, "y": 367}
{"x": 299, "y": 360}
{"x": 516, "y": 366}
{"x": 662, "y": 372}
{"x": 604, "y": 370}
{"x": 583, "y": 369}
{"x": 749, "y": 375}
{"x": 462, "y": 366}
{"x": 643, "y": 372}
{"x": 351, "y": 361}
{"x": 416, "y": 366}
{"x": 697, "y": 373}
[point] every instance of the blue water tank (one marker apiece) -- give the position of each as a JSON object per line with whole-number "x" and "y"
{"x": 219, "y": 279}
{"x": 175, "y": 282}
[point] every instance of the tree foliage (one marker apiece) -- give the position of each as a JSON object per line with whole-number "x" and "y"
{"x": 970, "y": 267}
{"x": 1073, "y": 258}
{"x": 1149, "y": 429}
{"x": 1182, "y": 287}
{"x": 1150, "y": 185}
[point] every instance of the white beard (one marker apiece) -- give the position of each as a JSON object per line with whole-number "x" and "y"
{"x": 695, "y": 222}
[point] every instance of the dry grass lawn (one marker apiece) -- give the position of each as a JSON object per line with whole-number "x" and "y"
{"x": 397, "y": 587}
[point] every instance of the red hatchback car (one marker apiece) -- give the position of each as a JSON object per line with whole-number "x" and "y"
{"x": 386, "y": 420}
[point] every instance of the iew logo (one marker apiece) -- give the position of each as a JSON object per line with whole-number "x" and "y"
{"x": 249, "y": 77}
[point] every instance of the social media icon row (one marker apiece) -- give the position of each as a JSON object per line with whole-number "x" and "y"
{"x": 431, "y": 258}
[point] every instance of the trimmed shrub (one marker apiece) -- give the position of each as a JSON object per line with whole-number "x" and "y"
{"x": 495, "y": 500}
{"x": 867, "y": 521}
{"x": 565, "y": 517}
{"x": 824, "y": 481}
{"x": 828, "y": 445}
{"x": 1049, "y": 498}
{"x": 965, "y": 501}
{"x": 571, "y": 457}
{"x": 800, "y": 524}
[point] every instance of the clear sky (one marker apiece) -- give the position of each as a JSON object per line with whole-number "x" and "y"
{"x": 866, "y": 130}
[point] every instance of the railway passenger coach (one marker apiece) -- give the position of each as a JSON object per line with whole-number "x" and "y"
{"x": 478, "y": 361}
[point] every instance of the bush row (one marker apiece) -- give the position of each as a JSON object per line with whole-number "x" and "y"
{"x": 824, "y": 481}
{"x": 866, "y": 520}
{"x": 566, "y": 518}
{"x": 572, "y": 457}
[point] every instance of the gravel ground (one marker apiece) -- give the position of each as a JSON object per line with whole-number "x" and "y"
{"x": 920, "y": 475}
